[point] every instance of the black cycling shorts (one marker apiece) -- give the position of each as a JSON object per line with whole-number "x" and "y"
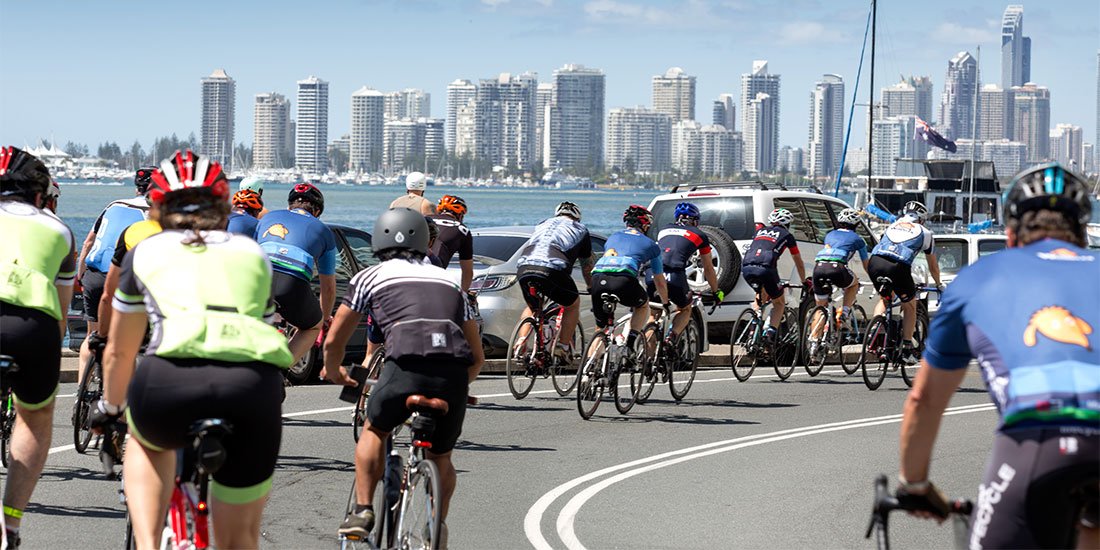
{"x": 900, "y": 274}
{"x": 33, "y": 339}
{"x": 831, "y": 274}
{"x": 92, "y": 283}
{"x": 762, "y": 277}
{"x": 295, "y": 301}
{"x": 554, "y": 284}
{"x": 1037, "y": 484}
{"x": 167, "y": 396}
{"x": 679, "y": 292}
{"x": 448, "y": 381}
{"x": 625, "y": 287}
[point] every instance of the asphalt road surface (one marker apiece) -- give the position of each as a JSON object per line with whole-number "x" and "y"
{"x": 760, "y": 464}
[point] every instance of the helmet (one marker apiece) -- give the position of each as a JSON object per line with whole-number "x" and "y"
{"x": 400, "y": 228}
{"x": 252, "y": 184}
{"x": 686, "y": 210}
{"x": 416, "y": 181}
{"x": 143, "y": 177}
{"x": 433, "y": 230}
{"x": 567, "y": 208}
{"x": 454, "y": 205}
{"x": 916, "y": 210}
{"x": 248, "y": 199}
{"x": 849, "y": 216}
{"x": 781, "y": 216}
{"x": 22, "y": 173}
{"x": 309, "y": 193}
{"x": 54, "y": 190}
{"x": 638, "y": 216}
{"x": 188, "y": 170}
{"x": 1051, "y": 187}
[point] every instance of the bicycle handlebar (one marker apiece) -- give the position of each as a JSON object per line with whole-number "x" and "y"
{"x": 885, "y": 502}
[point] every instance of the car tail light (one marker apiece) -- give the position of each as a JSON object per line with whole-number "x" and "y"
{"x": 492, "y": 283}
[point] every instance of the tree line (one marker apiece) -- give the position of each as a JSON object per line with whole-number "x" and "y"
{"x": 163, "y": 147}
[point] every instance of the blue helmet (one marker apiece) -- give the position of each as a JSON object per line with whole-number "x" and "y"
{"x": 686, "y": 210}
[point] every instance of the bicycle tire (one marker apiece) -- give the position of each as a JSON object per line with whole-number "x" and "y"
{"x": 874, "y": 359}
{"x": 565, "y": 382}
{"x": 85, "y": 396}
{"x": 7, "y": 425}
{"x": 682, "y": 370}
{"x": 359, "y": 415}
{"x": 520, "y": 375}
{"x": 786, "y": 345}
{"x": 859, "y": 325}
{"x": 632, "y": 369}
{"x": 742, "y": 339}
{"x": 589, "y": 388}
{"x": 920, "y": 332}
{"x": 817, "y": 349}
{"x": 420, "y": 509}
{"x": 651, "y": 335}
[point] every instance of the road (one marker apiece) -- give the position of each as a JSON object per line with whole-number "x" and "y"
{"x": 760, "y": 464}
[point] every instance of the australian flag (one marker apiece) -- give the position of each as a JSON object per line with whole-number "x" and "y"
{"x": 932, "y": 137}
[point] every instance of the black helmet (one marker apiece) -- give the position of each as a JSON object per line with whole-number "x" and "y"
{"x": 400, "y": 228}
{"x": 21, "y": 173}
{"x": 309, "y": 193}
{"x": 1051, "y": 187}
{"x": 143, "y": 177}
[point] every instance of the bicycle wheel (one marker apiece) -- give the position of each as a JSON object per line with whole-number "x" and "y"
{"x": 817, "y": 349}
{"x": 7, "y": 424}
{"x": 743, "y": 356}
{"x": 786, "y": 345}
{"x": 686, "y": 360}
{"x": 874, "y": 359}
{"x": 651, "y": 336}
{"x": 87, "y": 394}
{"x": 628, "y": 373}
{"x": 852, "y": 333}
{"x": 920, "y": 332}
{"x": 359, "y": 416}
{"x": 590, "y": 381}
{"x": 522, "y": 353}
{"x": 564, "y": 381}
{"x": 419, "y": 518}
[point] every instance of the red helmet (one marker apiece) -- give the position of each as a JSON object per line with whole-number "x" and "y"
{"x": 188, "y": 170}
{"x": 248, "y": 199}
{"x": 639, "y": 217}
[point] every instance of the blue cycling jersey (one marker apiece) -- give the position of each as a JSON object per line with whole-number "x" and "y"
{"x": 903, "y": 240}
{"x": 111, "y": 223}
{"x": 630, "y": 252}
{"x": 296, "y": 243}
{"x": 1029, "y": 315}
{"x": 841, "y": 245}
{"x": 242, "y": 224}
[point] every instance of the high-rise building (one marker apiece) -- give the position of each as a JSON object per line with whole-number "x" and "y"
{"x": 826, "y": 136}
{"x": 506, "y": 120}
{"x": 1097, "y": 142}
{"x": 341, "y": 144}
{"x": 711, "y": 150}
{"x": 638, "y": 140}
{"x": 995, "y": 115}
{"x": 1015, "y": 49}
{"x": 367, "y": 129}
{"x": 401, "y": 144}
{"x": 271, "y": 137}
{"x": 1008, "y": 157}
{"x": 311, "y": 142}
{"x": 544, "y": 93}
{"x": 1067, "y": 145}
{"x": 910, "y": 97}
{"x": 219, "y": 95}
{"x": 433, "y": 141}
{"x": 459, "y": 93}
{"x": 957, "y": 103}
{"x": 408, "y": 103}
{"x": 761, "y": 134}
{"x": 1088, "y": 155}
{"x": 687, "y": 147}
{"x": 893, "y": 140}
{"x": 465, "y": 129}
{"x": 1031, "y": 120}
{"x": 575, "y": 126}
{"x": 790, "y": 159}
{"x": 725, "y": 112}
{"x": 674, "y": 94}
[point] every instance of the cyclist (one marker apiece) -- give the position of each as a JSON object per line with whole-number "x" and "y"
{"x": 546, "y": 265}
{"x": 53, "y": 195}
{"x": 760, "y": 261}
{"x": 454, "y": 237}
{"x": 256, "y": 186}
{"x": 415, "y": 184}
{"x": 1029, "y": 315}
{"x": 134, "y": 234}
{"x": 411, "y": 299}
{"x": 37, "y": 268}
{"x": 627, "y": 253}
{"x": 679, "y": 241}
{"x": 244, "y": 217}
{"x": 893, "y": 258}
{"x": 297, "y": 242}
{"x": 196, "y": 284}
{"x": 433, "y": 234}
{"x": 831, "y": 264}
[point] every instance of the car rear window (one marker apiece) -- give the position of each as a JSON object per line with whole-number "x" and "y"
{"x": 501, "y": 247}
{"x": 952, "y": 255}
{"x": 732, "y": 214}
{"x": 989, "y": 246}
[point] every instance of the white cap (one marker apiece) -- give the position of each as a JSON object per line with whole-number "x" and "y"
{"x": 416, "y": 181}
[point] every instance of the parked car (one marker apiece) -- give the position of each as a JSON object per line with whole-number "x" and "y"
{"x": 955, "y": 251}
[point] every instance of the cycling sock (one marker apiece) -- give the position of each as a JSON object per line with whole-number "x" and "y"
{"x": 846, "y": 310}
{"x": 360, "y": 508}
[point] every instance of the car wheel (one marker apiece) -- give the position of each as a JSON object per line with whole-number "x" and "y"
{"x": 727, "y": 262}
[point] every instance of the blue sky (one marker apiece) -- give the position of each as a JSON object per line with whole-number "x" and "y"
{"x": 126, "y": 69}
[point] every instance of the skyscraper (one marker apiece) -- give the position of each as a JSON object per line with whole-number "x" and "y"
{"x": 1031, "y": 120}
{"x": 1097, "y": 142}
{"x": 826, "y": 136}
{"x": 367, "y": 127}
{"x": 910, "y": 97}
{"x": 638, "y": 140}
{"x": 311, "y": 143}
{"x": 893, "y": 139}
{"x": 459, "y": 93}
{"x": 1015, "y": 49}
{"x": 219, "y": 95}
{"x": 576, "y": 118}
{"x": 995, "y": 115}
{"x": 957, "y": 104}
{"x": 408, "y": 103}
{"x": 674, "y": 94}
{"x": 761, "y": 136}
{"x": 544, "y": 93}
{"x": 725, "y": 112}
{"x": 271, "y": 141}
{"x": 506, "y": 119}
{"x": 1066, "y": 145}
{"x": 711, "y": 150}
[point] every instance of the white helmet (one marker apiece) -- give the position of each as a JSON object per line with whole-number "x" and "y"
{"x": 915, "y": 210}
{"x": 416, "y": 181}
{"x": 781, "y": 216}
{"x": 570, "y": 209}
{"x": 849, "y": 216}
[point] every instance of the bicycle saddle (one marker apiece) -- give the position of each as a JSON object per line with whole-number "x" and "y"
{"x": 426, "y": 405}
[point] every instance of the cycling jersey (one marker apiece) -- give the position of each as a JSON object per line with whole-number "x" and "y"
{"x": 134, "y": 234}
{"x": 630, "y": 252}
{"x": 242, "y": 224}
{"x": 903, "y": 240}
{"x": 36, "y": 256}
{"x": 109, "y": 225}
{"x": 678, "y": 243}
{"x": 296, "y": 242}
{"x": 1038, "y": 348}
{"x": 204, "y": 302}
{"x": 412, "y": 202}
{"x": 768, "y": 245}
{"x": 556, "y": 243}
{"x": 454, "y": 237}
{"x": 841, "y": 245}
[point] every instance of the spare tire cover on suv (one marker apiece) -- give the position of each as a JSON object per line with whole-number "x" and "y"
{"x": 725, "y": 254}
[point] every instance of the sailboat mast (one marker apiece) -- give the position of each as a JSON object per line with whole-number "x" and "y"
{"x": 871, "y": 119}
{"x": 974, "y": 133}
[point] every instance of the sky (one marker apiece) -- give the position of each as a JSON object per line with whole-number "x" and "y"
{"x": 121, "y": 70}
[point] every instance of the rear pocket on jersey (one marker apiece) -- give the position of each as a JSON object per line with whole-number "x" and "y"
{"x": 223, "y": 336}
{"x": 426, "y": 338}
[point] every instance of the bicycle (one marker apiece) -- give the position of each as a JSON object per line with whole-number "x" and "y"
{"x": 606, "y": 360}
{"x": 832, "y": 336}
{"x": 532, "y": 346}
{"x": 885, "y": 503}
{"x": 748, "y": 342}
{"x": 111, "y": 455}
{"x": 88, "y": 393}
{"x": 672, "y": 361}
{"x": 8, "y": 367}
{"x": 882, "y": 340}
{"x": 374, "y": 370}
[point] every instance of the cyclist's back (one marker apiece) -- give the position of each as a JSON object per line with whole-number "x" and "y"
{"x": 242, "y": 224}
{"x": 115, "y": 218}
{"x": 841, "y": 245}
{"x": 297, "y": 243}
{"x": 627, "y": 254}
{"x": 903, "y": 240}
{"x": 556, "y": 243}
